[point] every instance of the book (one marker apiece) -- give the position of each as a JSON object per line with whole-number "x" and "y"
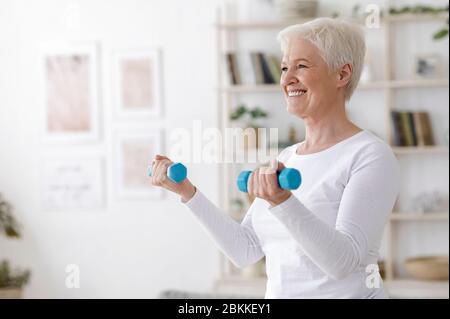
{"x": 274, "y": 66}
{"x": 233, "y": 69}
{"x": 257, "y": 68}
{"x": 246, "y": 70}
{"x": 412, "y": 127}
{"x": 426, "y": 128}
{"x": 406, "y": 128}
{"x": 398, "y": 135}
{"x": 419, "y": 129}
{"x": 265, "y": 69}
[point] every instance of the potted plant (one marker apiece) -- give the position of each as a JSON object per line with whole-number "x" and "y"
{"x": 11, "y": 281}
{"x": 425, "y": 9}
{"x": 252, "y": 116}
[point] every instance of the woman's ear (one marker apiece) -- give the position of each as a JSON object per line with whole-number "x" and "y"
{"x": 344, "y": 75}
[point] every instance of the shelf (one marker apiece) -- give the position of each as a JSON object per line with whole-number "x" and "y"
{"x": 411, "y": 150}
{"x": 416, "y": 289}
{"x": 440, "y": 17}
{"x": 230, "y": 25}
{"x": 398, "y": 84}
{"x": 403, "y": 216}
{"x": 376, "y": 85}
{"x": 417, "y": 83}
{"x": 403, "y": 84}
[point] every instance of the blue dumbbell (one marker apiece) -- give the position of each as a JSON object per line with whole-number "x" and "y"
{"x": 176, "y": 172}
{"x": 288, "y": 178}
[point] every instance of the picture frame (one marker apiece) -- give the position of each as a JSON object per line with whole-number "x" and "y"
{"x": 137, "y": 83}
{"x": 134, "y": 150}
{"x": 69, "y": 183}
{"x": 428, "y": 66}
{"x": 70, "y": 93}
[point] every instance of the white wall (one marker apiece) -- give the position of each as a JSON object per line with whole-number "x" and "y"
{"x": 127, "y": 249}
{"x": 137, "y": 249}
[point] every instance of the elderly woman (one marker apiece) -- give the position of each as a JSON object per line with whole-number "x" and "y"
{"x": 321, "y": 240}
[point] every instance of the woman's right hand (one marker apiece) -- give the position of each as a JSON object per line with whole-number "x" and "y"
{"x": 159, "y": 178}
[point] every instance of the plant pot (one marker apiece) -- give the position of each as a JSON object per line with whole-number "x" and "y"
{"x": 292, "y": 9}
{"x": 10, "y": 293}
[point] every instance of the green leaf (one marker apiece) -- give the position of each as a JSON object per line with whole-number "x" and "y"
{"x": 10, "y": 231}
{"x": 440, "y": 34}
{"x": 238, "y": 113}
{"x": 257, "y": 113}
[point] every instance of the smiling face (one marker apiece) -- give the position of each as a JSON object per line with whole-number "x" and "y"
{"x": 308, "y": 85}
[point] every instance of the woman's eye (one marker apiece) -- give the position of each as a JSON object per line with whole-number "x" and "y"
{"x": 300, "y": 66}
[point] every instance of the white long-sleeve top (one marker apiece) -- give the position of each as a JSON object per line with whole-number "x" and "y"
{"x": 318, "y": 242}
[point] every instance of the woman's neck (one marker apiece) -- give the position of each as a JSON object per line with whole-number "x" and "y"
{"x": 326, "y": 131}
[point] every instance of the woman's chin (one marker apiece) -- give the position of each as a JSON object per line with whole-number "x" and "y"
{"x": 295, "y": 109}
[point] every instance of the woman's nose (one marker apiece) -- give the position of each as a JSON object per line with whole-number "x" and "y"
{"x": 288, "y": 78}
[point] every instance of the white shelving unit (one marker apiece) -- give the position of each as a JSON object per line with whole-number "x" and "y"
{"x": 231, "y": 281}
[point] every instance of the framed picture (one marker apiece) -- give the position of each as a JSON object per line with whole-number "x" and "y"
{"x": 72, "y": 184}
{"x": 134, "y": 151}
{"x": 71, "y": 93}
{"x": 137, "y": 78}
{"x": 428, "y": 66}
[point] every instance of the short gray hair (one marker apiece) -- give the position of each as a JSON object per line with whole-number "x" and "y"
{"x": 339, "y": 42}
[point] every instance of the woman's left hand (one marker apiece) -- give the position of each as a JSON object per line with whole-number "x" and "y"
{"x": 263, "y": 183}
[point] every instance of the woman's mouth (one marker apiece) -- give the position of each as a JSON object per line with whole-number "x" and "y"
{"x": 295, "y": 93}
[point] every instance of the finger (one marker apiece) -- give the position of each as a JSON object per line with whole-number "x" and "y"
{"x": 162, "y": 171}
{"x": 280, "y": 166}
{"x": 270, "y": 180}
{"x": 154, "y": 171}
{"x": 260, "y": 181}
{"x": 165, "y": 166}
{"x": 158, "y": 172}
{"x": 250, "y": 189}
{"x": 266, "y": 179}
{"x": 160, "y": 157}
{"x": 155, "y": 167}
{"x": 274, "y": 165}
{"x": 271, "y": 168}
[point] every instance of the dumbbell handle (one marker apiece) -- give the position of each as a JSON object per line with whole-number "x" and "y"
{"x": 288, "y": 178}
{"x": 176, "y": 172}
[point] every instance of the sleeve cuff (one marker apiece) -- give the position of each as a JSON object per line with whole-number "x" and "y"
{"x": 292, "y": 203}
{"x": 193, "y": 200}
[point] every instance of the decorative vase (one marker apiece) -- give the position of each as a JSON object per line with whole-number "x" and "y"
{"x": 428, "y": 267}
{"x": 256, "y": 270}
{"x": 251, "y": 142}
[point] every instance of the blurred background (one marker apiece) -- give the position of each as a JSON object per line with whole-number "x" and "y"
{"x": 91, "y": 90}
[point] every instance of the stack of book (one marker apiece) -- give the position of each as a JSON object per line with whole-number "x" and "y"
{"x": 412, "y": 129}
{"x": 253, "y": 68}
